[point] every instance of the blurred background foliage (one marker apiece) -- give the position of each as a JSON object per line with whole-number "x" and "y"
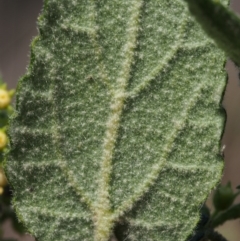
{"x": 17, "y": 29}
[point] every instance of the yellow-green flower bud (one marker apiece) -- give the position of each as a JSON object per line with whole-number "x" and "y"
{"x": 3, "y": 140}
{"x": 5, "y": 98}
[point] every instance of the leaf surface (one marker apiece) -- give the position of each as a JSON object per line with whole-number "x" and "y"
{"x": 118, "y": 122}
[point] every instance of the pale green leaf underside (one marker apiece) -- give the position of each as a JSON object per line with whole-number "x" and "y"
{"x": 118, "y": 122}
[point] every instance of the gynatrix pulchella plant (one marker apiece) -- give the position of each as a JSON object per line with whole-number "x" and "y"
{"x": 117, "y": 123}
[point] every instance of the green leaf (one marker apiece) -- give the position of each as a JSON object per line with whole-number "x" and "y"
{"x": 118, "y": 122}
{"x": 219, "y": 23}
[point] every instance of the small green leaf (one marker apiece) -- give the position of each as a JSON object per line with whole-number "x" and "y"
{"x": 118, "y": 122}
{"x": 223, "y": 197}
{"x": 219, "y": 23}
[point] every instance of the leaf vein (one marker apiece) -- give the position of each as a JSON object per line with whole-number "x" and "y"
{"x": 63, "y": 165}
{"x": 160, "y": 66}
{"x": 156, "y": 169}
{"x": 53, "y": 213}
{"x": 152, "y": 225}
{"x": 102, "y": 205}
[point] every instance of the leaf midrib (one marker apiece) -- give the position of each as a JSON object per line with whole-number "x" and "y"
{"x": 103, "y": 213}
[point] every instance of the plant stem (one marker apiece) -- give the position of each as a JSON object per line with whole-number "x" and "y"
{"x": 231, "y": 213}
{"x": 215, "y": 236}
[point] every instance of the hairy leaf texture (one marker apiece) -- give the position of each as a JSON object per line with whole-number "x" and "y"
{"x": 118, "y": 122}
